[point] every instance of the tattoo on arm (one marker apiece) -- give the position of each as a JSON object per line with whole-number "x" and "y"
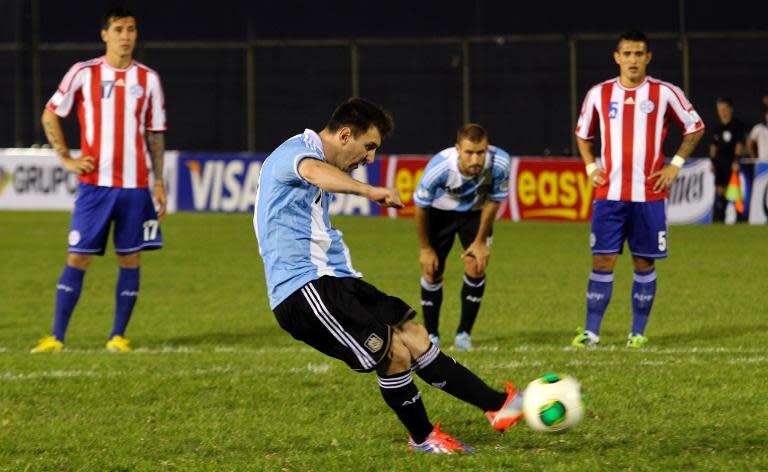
{"x": 689, "y": 144}
{"x": 52, "y": 133}
{"x": 157, "y": 153}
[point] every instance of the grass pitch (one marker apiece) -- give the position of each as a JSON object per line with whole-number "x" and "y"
{"x": 214, "y": 384}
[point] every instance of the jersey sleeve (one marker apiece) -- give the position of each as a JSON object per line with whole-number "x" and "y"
{"x": 287, "y": 169}
{"x": 432, "y": 179}
{"x": 585, "y": 127}
{"x": 754, "y": 132}
{"x": 62, "y": 100}
{"x": 681, "y": 110}
{"x": 501, "y": 164}
{"x": 156, "y": 107}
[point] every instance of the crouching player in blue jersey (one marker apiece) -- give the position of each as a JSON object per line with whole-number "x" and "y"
{"x": 459, "y": 194}
{"x": 320, "y": 299}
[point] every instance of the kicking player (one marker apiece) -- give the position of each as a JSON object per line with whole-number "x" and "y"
{"x": 321, "y": 300}
{"x": 459, "y": 194}
{"x": 120, "y": 106}
{"x": 632, "y": 184}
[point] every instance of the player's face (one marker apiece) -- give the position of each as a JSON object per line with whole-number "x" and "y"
{"x": 471, "y": 156}
{"x": 633, "y": 58}
{"x": 120, "y": 37}
{"x": 724, "y": 112}
{"x": 356, "y": 151}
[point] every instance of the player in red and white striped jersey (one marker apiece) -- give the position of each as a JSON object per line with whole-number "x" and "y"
{"x": 633, "y": 112}
{"x": 120, "y": 106}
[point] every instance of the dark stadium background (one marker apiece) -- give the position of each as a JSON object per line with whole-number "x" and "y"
{"x": 519, "y": 68}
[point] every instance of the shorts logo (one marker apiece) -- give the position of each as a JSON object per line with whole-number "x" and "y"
{"x": 374, "y": 343}
{"x": 592, "y": 239}
{"x": 647, "y": 106}
{"x": 74, "y": 237}
{"x": 136, "y": 91}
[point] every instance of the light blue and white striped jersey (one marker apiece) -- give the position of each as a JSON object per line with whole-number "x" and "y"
{"x": 443, "y": 187}
{"x": 293, "y": 227}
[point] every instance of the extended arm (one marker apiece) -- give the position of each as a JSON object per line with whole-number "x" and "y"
{"x": 668, "y": 173}
{"x": 479, "y": 250}
{"x": 427, "y": 255}
{"x": 586, "y": 149}
{"x": 331, "y": 179}
{"x": 55, "y": 136}
{"x": 157, "y": 155}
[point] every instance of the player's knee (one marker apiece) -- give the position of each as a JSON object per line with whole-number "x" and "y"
{"x": 643, "y": 264}
{"x": 415, "y": 337}
{"x": 399, "y": 355}
{"x": 604, "y": 263}
{"x": 130, "y": 261}
{"x": 79, "y": 261}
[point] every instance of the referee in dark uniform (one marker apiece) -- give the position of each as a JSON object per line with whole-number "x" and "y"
{"x": 726, "y": 147}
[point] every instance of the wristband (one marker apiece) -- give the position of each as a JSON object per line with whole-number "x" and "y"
{"x": 678, "y": 161}
{"x": 591, "y": 167}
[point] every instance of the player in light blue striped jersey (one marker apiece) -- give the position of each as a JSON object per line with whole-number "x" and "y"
{"x": 459, "y": 194}
{"x": 321, "y": 300}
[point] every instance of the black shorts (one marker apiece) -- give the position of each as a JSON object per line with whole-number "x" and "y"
{"x": 345, "y": 318}
{"x": 444, "y": 225}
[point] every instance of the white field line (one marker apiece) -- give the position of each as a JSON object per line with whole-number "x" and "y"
{"x": 299, "y": 348}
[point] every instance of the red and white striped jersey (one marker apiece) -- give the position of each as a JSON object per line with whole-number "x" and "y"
{"x": 115, "y": 107}
{"x": 633, "y": 126}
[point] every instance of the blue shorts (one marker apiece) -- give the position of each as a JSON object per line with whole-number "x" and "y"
{"x": 132, "y": 210}
{"x": 642, "y": 224}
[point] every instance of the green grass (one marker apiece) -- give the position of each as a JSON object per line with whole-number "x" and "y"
{"x": 216, "y": 385}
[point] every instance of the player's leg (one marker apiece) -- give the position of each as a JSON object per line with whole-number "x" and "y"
{"x": 722, "y": 175}
{"x": 445, "y": 373}
{"x": 647, "y": 241}
{"x": 473, "y": 288}
{"x": 88, "y": 233}
{"x": 136, "y": 229}
{"x": 441, "y": 229}
{"x": 607, "y": 237}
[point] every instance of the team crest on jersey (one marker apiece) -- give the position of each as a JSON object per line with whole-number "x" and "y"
{"x": 647, "y": 106}
{"x": 74, "y": 237}
{"x": 374, "y": 343}
{"x": 136, "y": 91}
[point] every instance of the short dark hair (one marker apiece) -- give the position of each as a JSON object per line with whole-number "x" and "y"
{"x": 633, "y": 35}
{"x": 726, "y": 100}
{"x": 473, "y": 132}
{"x": 359, "y": 115}
{"x": 115, "y": 13}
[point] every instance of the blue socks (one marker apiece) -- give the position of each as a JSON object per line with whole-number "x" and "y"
{"x": 125, "y": 298}
{"x": 643, "y": 293}
{"x": 67, "y": 293}
{"x": 599, "y": 292}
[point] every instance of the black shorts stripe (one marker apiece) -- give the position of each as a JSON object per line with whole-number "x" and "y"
{"x": 334, "y": 327}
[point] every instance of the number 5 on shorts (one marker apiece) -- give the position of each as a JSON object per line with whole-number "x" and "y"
{"x": 662, "y": 240}
{"x": 151, "y": 226}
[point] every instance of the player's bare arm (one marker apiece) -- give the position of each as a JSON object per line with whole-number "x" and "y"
{"x": 55, "y": 136}
{"x": 157, "y": 155}
{"x": 586, "y": 149}
{"x": 479, "y": 250}
{"x": 427, "y": 255}
{"x": 668, "y": 173}
{"x": 332, "y": 179}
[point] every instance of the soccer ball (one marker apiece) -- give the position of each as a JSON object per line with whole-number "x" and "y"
{"x": 553, "y": 403}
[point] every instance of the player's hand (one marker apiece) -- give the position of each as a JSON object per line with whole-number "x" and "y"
{"x": 664, "y": 177}
{"x": 160, "y": 198}
{"x": 386, "y": 197}
{"x": 735, "y": 166}
{"x": 598, "y": 177}
{"x": 81, "y": 166}
{"x": 429, "y": 261}
{"x": 480, "y": 252}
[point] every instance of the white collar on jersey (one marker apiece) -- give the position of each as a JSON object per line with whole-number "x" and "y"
{"x": 618, "y": 83}
{"x": 313, "y": 140}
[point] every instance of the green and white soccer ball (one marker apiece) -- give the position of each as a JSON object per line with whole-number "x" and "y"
{"x": 553, "y": 403}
